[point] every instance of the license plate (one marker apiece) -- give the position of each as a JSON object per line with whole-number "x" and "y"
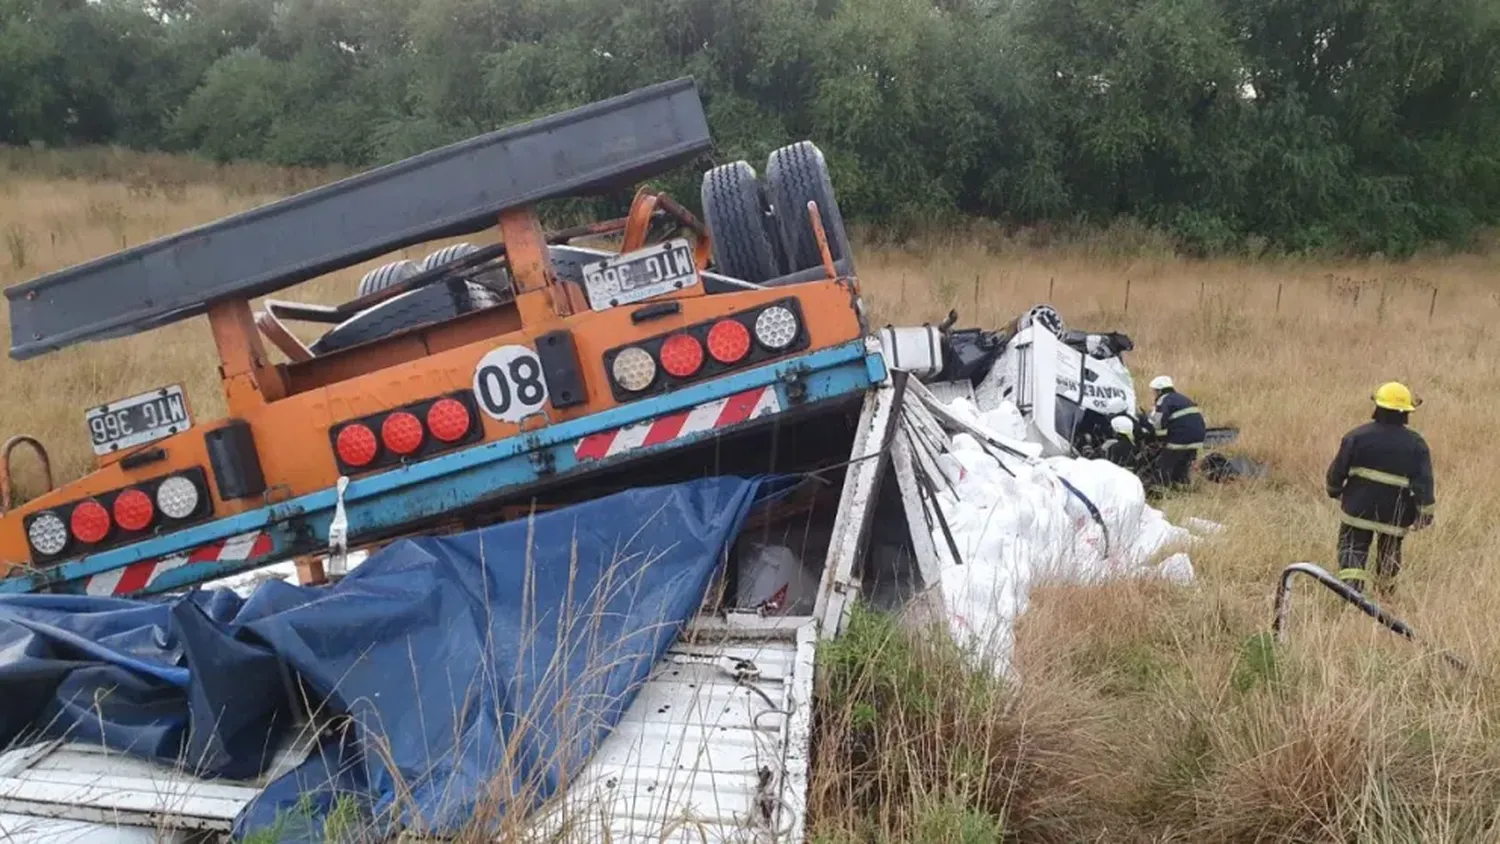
{"x": 634, "y": 276}
{"x": 138, "y": 419}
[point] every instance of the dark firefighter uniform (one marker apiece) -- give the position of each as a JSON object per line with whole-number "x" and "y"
{"x": 1120, "y": 448}
{"x": 1180, "y": 431}
{"x": 1382, "y": 477}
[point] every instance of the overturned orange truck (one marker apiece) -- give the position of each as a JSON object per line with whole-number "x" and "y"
{"x": 475, "y": 384}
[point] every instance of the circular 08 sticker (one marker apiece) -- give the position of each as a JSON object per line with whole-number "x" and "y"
{"x": 508, "y": 383}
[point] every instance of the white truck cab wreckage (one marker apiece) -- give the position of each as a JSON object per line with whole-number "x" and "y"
{"x": 1072, "y": 387}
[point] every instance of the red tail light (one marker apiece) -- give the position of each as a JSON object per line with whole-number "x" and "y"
{"x": 402, "y": 433}
{"x": 681, "y": 355}
{"x": 168, "y": 502}
{"x": 448, "y": 420}
{"x": 89, "y": 522}
{"x": 356, "y": 445}
{"x": 728, "y": 341}
{"x": 134, "y": 510}
{"x": 403, "y": 436}
{"x": 705, "y": 350}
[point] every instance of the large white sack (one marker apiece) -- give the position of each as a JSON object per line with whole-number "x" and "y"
{"x": 1018, "y": 525}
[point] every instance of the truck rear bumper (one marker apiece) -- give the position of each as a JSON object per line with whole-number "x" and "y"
{"x": 381, "y": 505}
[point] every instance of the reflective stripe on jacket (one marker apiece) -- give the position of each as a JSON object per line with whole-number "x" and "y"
{"x": 1179, "y": 421}
{"x": 1382, "y": 476}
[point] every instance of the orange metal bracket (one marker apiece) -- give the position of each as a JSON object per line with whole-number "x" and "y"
{"x": 643, "y": 209}
{"x": 822, "y": 237}
{"x": 249, "y": 381}
{"x": 270, "y": 324}
{"x": 638, "y": 224}
{"x": 5, "y": 483}
{"x": 703, "y": 252}
{"x": 530, "y": 262}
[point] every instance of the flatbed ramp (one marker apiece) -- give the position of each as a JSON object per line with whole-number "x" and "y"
{"x": 714, "y": 748}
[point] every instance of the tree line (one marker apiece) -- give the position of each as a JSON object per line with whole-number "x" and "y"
{"x": 1299, "y": 125}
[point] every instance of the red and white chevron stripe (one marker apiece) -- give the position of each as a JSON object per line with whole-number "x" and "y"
{"x": 138, "y": 576}
{"x": 721, "y": 413}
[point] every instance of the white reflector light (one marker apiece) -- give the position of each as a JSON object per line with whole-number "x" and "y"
{"x": 48, "y": 534}
{"x": 177, "y": 498}
{"x": 634, "y": 369}
{"x": 776, "y": 327}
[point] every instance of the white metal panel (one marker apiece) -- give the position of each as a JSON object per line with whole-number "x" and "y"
{"x": 700, "y": 755}
{"x": 840, "y": 582}
{"x": 25, "y": 829}
{"x": 83, "y": 782}
{"x": 797, "y": 764}
{"x": 1045, "y": 380}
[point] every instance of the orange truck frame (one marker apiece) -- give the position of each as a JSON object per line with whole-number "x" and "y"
{"x": 447, "y": 390}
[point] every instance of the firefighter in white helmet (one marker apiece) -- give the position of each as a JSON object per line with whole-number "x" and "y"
{"x": 1180, "y": 430}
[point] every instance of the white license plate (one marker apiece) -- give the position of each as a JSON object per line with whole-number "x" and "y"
{"x": 138, "y": 419}
{"x": 634, "y": 276}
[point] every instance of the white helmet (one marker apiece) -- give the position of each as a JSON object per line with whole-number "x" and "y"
{"x": 1122, "y": 425}
{"x": 1161, "y": 382}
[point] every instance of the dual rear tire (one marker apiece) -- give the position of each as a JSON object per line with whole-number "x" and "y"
{"x": 761, "y": 228}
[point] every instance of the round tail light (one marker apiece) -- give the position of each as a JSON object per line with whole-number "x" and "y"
{"x": 681, "y": 355}
{"x": 356, "y": 444}
{"x": 47, "y": 534}
{"x": 776, "y": 328}
{"x": 177, "y": 497}
{"x": 90, "y": 521}
{"x": 402, "y": 432}
{"x": 728, "y": 341}
{"x": 633, "y": 369}
{"x": 448, "y": 420}
{"x": 133, "y": 510}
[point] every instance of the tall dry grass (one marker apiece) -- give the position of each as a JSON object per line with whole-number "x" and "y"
{"x": 1146, "y": 713}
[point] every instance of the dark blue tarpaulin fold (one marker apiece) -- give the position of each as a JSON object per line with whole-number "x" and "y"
{"x": 477, "y": 670}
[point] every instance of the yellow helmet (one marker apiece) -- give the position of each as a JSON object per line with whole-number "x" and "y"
{"x": 1393, "y": 395}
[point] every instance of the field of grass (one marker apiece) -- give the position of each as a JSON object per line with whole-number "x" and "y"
{"x": 1146, "y": 712}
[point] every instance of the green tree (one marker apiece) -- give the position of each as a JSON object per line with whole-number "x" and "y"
{"x": 1316, "y": 124}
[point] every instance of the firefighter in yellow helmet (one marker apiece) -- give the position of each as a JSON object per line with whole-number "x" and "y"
{"x": 1382, "y": 476}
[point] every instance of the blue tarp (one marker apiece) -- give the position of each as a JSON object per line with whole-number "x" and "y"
{"x": 475, "y": 673}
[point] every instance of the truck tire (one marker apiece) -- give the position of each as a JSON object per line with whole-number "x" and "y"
{"x": 736, "y": 212}
{"x": 384, "y": 276}
{"x": 451, "y": 252}
{"x": 496, "y": 279}
{"x": 796, "y": 175}
{"x": 429, "y": 304}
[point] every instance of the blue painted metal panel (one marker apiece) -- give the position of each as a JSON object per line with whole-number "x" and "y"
{"x": 449, "y": 481}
